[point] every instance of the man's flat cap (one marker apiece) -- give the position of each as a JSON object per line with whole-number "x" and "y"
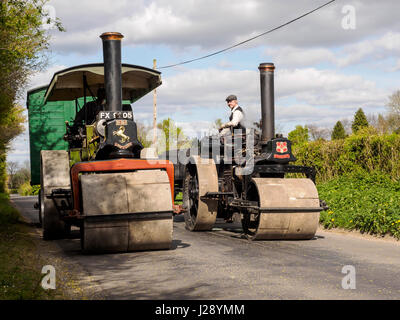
{"x": 231, "y": 97}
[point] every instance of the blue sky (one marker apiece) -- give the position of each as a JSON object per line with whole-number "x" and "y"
{"x": 324, "y": 72}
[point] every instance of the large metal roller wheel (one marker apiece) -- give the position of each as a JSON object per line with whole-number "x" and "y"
{"x": 282, "y": 193}
{"x": 201, "y": 177}
{"x": 54, "y": 174}
{"x": 128, "y": 211}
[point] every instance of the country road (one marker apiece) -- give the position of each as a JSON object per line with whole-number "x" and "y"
{"x": 222, "y": 265}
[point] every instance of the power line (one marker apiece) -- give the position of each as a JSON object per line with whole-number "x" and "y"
{"x": 248, "y": 40}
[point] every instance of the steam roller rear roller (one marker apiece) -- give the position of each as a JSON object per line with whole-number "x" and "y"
{"x": 201, "y": 177}
{"x": 288, "y": 196}
{"x": 127, "y": 211}
{"x": 54, "y": 174}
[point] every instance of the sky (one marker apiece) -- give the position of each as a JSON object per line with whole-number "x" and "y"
{"x": 329, "y": 64}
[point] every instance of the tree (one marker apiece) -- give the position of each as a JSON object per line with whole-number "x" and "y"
{"x": 394, "y": 103}
{"x": 12, "y": 168}
{"x": 23, "y": 43}
{"x": 257, "y": 126}
{"x": 338, "y": 131}
{"x": 20, "y": 177}
{"x": 17, "y": 175}
{"x": 143, "y": 134}
{"x": 346, "y": 125}
{"x": 317, "y": 133}
{"x": 217, "y": 124}
{"x": 393, "y": 122}
{"x": 372, "y": 120}
{"x": 382, "y": 124}
{"x": 11, "y": 125}
{"x": 393, "y": 117}
{"x": 299, "y": 135}
{"x": 360, "y": 121}
{"x": 174, "y": 138}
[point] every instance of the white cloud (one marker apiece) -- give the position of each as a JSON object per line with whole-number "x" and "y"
{"x": 328, "y": 88}
{"x": 19, "y": 147}
{"x": 300, "y": 57}
{"x": 306, "y": 114}
{"x": 209, "y": 25}
{"x": 396, "y": 67}
{"x": 374, "y": 50}
{"x": 225, "y": 64}
{"x": 305, "y": 94}
{"x": 43, "y": 78}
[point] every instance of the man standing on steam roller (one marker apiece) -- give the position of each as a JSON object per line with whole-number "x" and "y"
{"x": 236, "y": 118}
{"x": 234, "y": 126}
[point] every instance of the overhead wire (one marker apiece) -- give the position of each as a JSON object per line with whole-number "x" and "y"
{"x": 248, "y": 40}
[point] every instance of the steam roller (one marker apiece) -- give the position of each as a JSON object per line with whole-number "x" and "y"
{"x": 117, "y": 192}
{"x": 244, "y": 177}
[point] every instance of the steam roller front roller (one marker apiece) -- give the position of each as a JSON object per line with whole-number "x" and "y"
{"x": 128, "y": 211}
{"x": 286, "y": 209}
{"x": 201, "y": 177}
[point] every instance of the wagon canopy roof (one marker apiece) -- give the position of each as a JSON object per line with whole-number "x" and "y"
{"x": 67, "y": 84}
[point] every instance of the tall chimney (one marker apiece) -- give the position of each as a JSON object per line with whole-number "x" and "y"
{"x": 112, "y": 69}
{"x": 267, "y": 101}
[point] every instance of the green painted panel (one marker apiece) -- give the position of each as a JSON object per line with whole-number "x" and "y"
{"x": 46, "y": 127}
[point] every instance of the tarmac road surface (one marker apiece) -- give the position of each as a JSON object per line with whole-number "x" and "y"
{"x": 220, "y": 264}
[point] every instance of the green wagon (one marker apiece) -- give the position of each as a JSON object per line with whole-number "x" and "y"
{"x": 47, "y": 125}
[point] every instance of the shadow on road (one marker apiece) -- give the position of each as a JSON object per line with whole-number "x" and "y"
{"x": 179, "y": 218}
{"x": 179, "y": 244}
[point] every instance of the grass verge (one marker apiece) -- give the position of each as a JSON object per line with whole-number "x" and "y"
{"x": 20, "y": 262}
{"x": 369, "y": 203}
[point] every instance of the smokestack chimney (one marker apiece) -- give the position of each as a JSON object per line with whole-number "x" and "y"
{"x": 112, "y": 69}
{"x": 267, "y": 102}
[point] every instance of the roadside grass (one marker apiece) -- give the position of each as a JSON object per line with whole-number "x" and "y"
{"x": 20, "y": 263}
{"x": 368, "y": 202}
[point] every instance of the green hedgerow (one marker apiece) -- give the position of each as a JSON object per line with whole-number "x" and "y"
{"x": 8, "y": 214}
{"x": 26, "y": 189}
{"x": 366, "y": 202}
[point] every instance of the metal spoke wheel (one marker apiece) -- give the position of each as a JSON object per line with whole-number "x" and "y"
{"x": 191, "y": 196}
{"x": 200, "y": 177}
